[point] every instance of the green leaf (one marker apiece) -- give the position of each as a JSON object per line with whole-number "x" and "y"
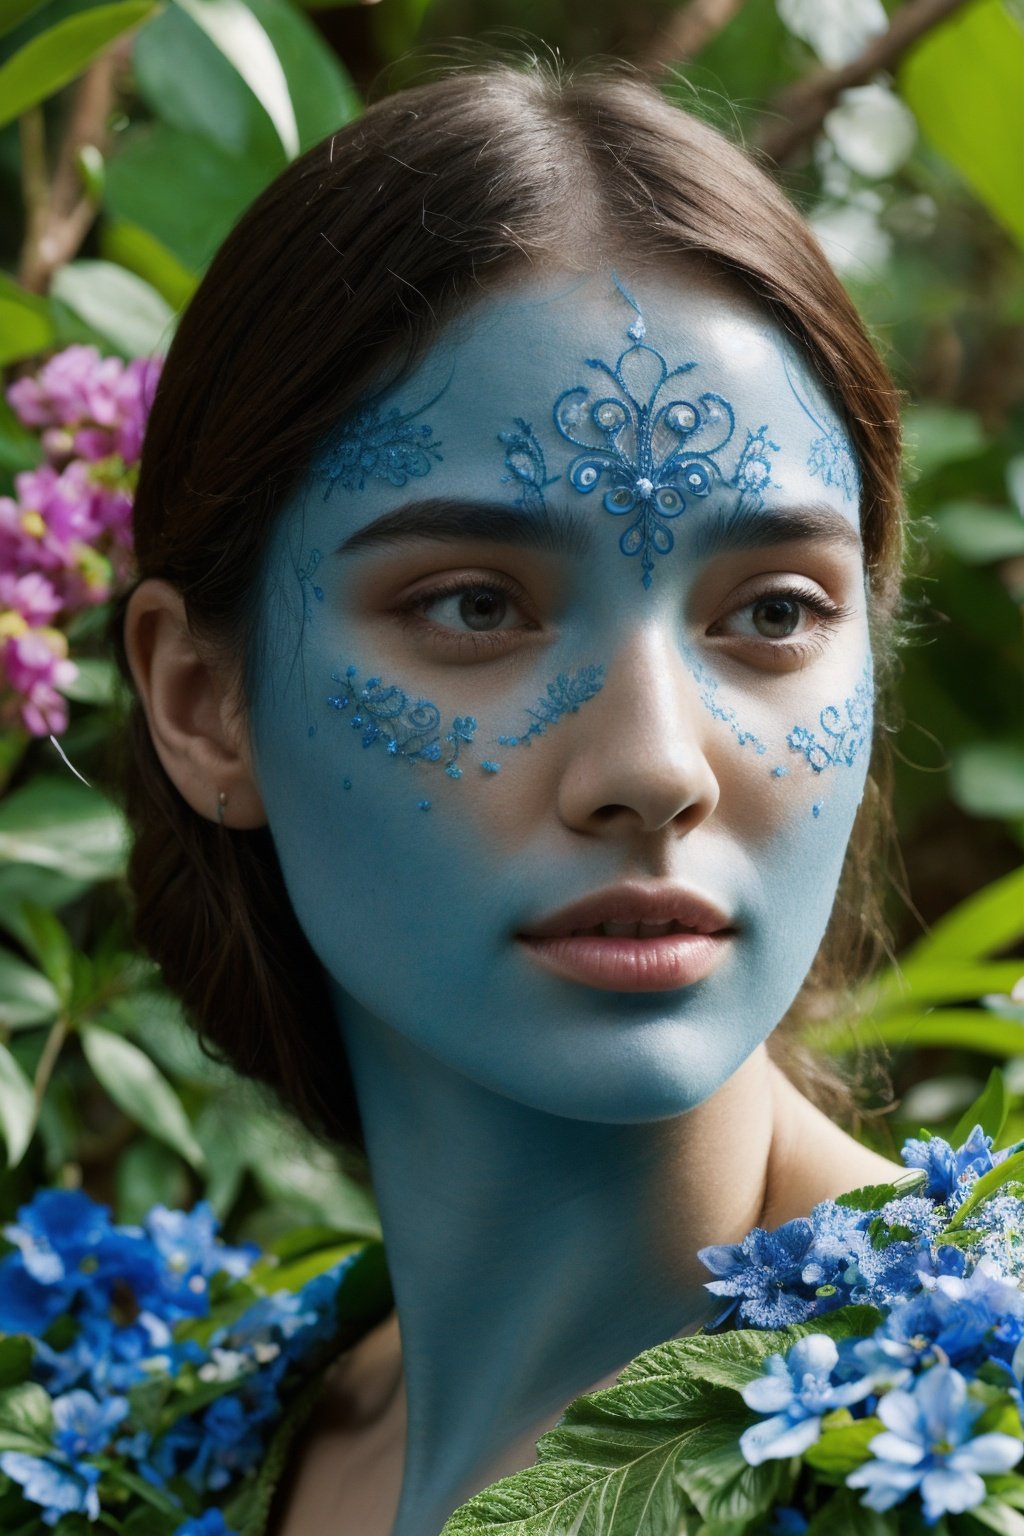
{"x": 986, "y": 922}
{"x": 963, "y": 1028}
{"x": 52, "y": 58}
{"x": 16, "y": 1352}
{"x": 870, "y": 1196}
{"x": 50, "y": 945}
{"x": 987, "y": 778}
{"x": 723, "y": 1485}
{"x": 935, "y": 982}
{"x": 989, "y": 1110}
{"x": 97, "y": 682}
{"x": 138, "y": 251}
{"x": 148, "y": 1174}
{"x": 244, "y": 43}
{"x": 1009, "y": 1169}
{"x": 17, "y": 1108}
{"x": 26, "y": 1411}
{"x": 965, "y": 83}
{"x": 979, "y": 533}
{"x": 843, "y": 1447}
{"x": 292, "y": 1277}
{"x": 994, "y": 1515}
{"x": 139, "y": 1089}
{"x": 117, "y": 305}
{"x": 21, "y": 883}
{"x": 26, "y": 996}
{"x": 182, "y": 188}
{"x": 61, "y": 824}
{"x": 22, "y": 331}
{"x": 937, "y": 435}
{"x": 16, "y": 11}
{"x": 845, "y": 1515}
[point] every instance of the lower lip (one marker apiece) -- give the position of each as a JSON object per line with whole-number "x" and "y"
{"x": 657, "y": 964}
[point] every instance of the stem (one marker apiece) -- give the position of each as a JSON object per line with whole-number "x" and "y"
{"x": 1002, "y": 1173}
{"x": 48, "y": 1060}
{"x": 690, "y": 30}
{"x": 798, "y": 113}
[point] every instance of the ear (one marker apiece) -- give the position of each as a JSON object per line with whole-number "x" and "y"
{"x": 193, "y": 708}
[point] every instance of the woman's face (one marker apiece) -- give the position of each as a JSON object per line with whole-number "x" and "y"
{"x": 579, "y": 606}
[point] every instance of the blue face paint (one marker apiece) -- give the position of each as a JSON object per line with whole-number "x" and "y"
{"x": 844, "y": 733}
{"x": 375, "y": 446}
{"x": 415, "y": 918}
{"x": 830, "y": 457}
{"x": 383, "y": 713}
{"x": 562, "y": 697}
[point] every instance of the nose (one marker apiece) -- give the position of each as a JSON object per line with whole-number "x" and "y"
{"x": 638, "y": 761}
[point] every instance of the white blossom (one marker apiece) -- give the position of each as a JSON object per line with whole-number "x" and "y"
{"x": 837, "y": 30}
{"x": 872, "y": 130}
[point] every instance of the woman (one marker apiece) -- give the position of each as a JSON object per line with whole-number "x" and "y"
{"x": 522, "y": 427}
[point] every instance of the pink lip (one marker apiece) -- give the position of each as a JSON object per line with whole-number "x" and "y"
{"x": 657, "y": 964}
{"x": 623, "y": 963}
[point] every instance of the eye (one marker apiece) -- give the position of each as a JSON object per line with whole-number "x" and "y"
{"x": 790, "y": 619}
{"x": 468, "y": 613}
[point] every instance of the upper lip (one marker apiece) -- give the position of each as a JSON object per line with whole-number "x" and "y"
{"x": 632, "y": 903}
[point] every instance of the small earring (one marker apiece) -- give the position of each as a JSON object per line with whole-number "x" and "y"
{"x": 222, "y": 801}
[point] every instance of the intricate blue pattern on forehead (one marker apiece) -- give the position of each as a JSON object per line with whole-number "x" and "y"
{"x": 563, "y": 697}
{"x": 830, "y": 458}
{"x": 842, "y": 739}
{"x": 372, "y": 446}
{"x": 655, "y": 449}
{"x": 525, "y": 467}
{"x": 404, "y": 727}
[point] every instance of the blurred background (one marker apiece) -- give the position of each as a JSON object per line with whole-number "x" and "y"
{"x": 132, "y": 135}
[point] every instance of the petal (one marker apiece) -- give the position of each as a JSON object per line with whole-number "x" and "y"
{"x": 898, "y": 1411}
{"x": 893, "y": 1448}
{"x": 816, "y": 1353}
{"x": 988, "y": 1453}
{"x": 777, "y": 1438}
{"x": 886, "y": 1484}
{"x": 768, "y": 1394}
{"x": 945, "y": 1491}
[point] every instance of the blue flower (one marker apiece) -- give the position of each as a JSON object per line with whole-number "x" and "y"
{"x": 84, "y": 1426}
{"x": 796, "y": 1389}
{"x": 764, "y": 1274}
{"x": 190, "y": 1253}
{"x": 58, "y": 1489}
{"x": 56, "y": 1231}
{"x": 950, "y": 1172}
{"x": 927, "y": 1445}
{"x": 209, "y": 1523}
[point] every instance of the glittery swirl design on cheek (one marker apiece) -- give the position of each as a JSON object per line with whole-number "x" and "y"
{"x": 844, "y": 734}
{"x": 404, "y": 727}
{"x": 525, "y": 467}
{"x": 654, "y": 450}
{"x": 376, "y": 445}
{"x": 563, "y": 697}
{"x": 830, "y": 457}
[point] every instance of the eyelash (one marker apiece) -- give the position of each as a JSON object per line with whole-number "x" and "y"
{"x": 829, "y": 615}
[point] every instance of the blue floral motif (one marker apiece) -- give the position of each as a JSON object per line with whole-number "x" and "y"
{"x": 563, "y": 697}
{"x": 406, "y": 728}
{"x": 830, "y": 458}
{"x": 525, "y": 466}
{"x": 708, "y": 696}
{"x": 843, "y": 739}
{"x": 375, "y": 446}
{"x": 654, "y": 449}
{"x": 797, "y": 1390}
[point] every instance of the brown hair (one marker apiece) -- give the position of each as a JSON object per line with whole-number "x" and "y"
{"x": 345, "y": 267}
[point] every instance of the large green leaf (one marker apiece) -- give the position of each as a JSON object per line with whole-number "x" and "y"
{"x": 233, "y": 28}
{"x": 63, "y": 825}
{"x": 56, "y": 56}
{"x": 23, "y": 331}
{"x": 26, "y": 1414}
{"x": 987, "y": 778}
{"x": 141, "y": 1091}
{"x": 14, "y": 12}
{"x": 117, "y": 305}
{"x": 965, "y": 82}
{"x": 980, "y": 533}
{"x": 986, "y": 922}
{"x": 17, "y": 1108}
{"x": 142, "y": 253}
{"x": 182, "y": 188}
{"x": 26, "y": 997}
{"x": 989, "y": 1110}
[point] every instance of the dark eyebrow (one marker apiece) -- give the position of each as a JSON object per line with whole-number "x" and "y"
{"x": 724, "y": 532}
{"x": 548, "y": 528}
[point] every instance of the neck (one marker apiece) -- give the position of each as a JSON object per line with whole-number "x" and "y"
{"x": 531, "y": 1255}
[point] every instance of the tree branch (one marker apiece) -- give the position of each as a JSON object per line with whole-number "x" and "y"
{"x": 798, "y": 112}
{"x": 689, "y": 31}
{"x": 58, "y": 217}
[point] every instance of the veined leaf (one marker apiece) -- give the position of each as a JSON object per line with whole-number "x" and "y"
{"x": 53, "y": 58}
{"x": 244, "y": 43}
{"x": 117, "y": 305}
{"x": 26, "y": 1410}
{"x": 26, "y": 996}
{"x": 63, "y": 825}
{"x": 17, "y": 1108}
{"x": 141, "y": 1090}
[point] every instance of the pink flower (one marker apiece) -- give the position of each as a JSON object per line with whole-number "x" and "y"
{"x": 91, "y": 406}
{"x": 36, "y": 665}
{"x": 31, "y": 596}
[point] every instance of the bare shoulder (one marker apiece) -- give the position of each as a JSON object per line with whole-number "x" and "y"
{"x": 813, "y": 1159}
{"x": 346, "y": 1466}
